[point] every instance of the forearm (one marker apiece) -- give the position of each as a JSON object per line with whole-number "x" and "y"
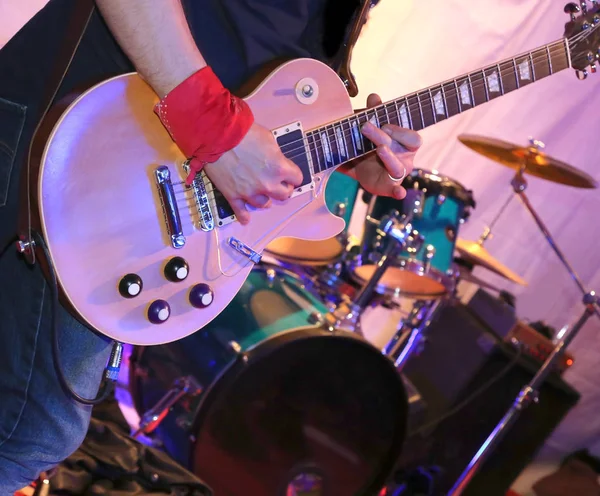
{"x": 155, "y": 36}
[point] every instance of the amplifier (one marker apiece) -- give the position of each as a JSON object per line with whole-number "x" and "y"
{"x": 462, "y": 355}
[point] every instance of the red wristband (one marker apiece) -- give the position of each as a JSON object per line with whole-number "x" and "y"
{"x": 204, "y": 118}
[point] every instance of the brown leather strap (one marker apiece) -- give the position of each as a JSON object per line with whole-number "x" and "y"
{"x": 77, "y": 24}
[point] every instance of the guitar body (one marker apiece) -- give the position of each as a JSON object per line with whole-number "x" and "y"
{"x": 101, "y": 215}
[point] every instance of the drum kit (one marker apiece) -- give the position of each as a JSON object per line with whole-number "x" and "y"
{"x": 284, "y": 393}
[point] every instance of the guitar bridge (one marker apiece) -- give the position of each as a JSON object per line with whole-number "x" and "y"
{"x": 207, "y": 221}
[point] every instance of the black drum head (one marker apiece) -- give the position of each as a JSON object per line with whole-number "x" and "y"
{"x": 308, "y": 414}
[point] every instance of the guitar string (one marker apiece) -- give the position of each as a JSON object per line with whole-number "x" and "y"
{"x": 476, "y": 83}
{"x": 376, "y": 110}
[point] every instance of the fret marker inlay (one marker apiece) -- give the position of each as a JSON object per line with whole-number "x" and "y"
{"x": 524, "y": 72}
{"x": 465, "y": 94}
{"x": 438, "y": 101}
{"x": 341, "y": 142}
{"x": 326, "y": 148}
{"x": 404, "y": 120}
{"x": 357, "y": 136}
{"x": 493, "y": 82}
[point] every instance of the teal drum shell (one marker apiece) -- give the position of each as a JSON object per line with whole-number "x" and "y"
{"x": 441, "y": 205}
{"x": 286, "y": 408}
{"x": 341, "y": 189}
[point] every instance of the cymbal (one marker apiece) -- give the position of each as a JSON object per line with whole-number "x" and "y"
{"x": 535, "y": 162}
{"x": 476, "y": 254}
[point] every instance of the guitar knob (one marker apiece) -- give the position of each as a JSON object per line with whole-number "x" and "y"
{"x": 201, "y": 295}
{"x": 159, "y": 311}
{"x": 130, "y": 286}
{"x": 176, "y": 269}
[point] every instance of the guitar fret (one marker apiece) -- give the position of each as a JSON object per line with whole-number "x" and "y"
{"x": 445, "y": 100}
{"x": 508, "y": 78}
{"x": 549, "y": 58}
{"x": 485, "y": 86}
{"x": 410, "y": 120}
{"x": 532, "y": 67}
{"x": 357, "y": 136}
{"x": 338, "y": 133}
{"x": 500, "y": 79}
{"x": 458, "y": 96}
{"x": 348, "y": 135}
{"x": 470, "y": 82}
{"x": 317, "y": 152}
{"x": 421, "y": 112}
{"x": 433, "y": 109}
{"x": 387, "y": 115}
{"x": 514, "y": 61}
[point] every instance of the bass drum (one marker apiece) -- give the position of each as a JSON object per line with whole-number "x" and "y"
{"x": 286, "y": 408}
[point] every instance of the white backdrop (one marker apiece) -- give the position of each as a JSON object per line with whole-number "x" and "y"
{"x": 410, "y": 45}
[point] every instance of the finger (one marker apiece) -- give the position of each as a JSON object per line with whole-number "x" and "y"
{"x": 290, "y": 173}
{"x": 392, "y": 163}
{"x": 281, "y": 192}
{"x": 373, "y": 100}
{"x": 239, "y": 209}
{"x": 398, "y": 192}
{"x": 259, "y": 201}
{"x": 389, "y": 134}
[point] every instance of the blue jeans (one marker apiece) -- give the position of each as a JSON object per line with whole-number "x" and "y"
{"x": 40, "y": 425}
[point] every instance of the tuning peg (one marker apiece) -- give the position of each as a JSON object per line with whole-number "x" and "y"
{"x": 572, "y": 9}
{"x": 581, "y": 75}
{"x": 593, "y": 68}
{"x": 539, "y": 145}
{"x": 584, "y": 8}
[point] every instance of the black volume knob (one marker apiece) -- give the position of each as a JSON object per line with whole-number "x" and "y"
{"x": 130, "y": 286}
{"x": 176, "y": 269}
{"x": 159, "y": 311}
{"x": 201, "y": 295}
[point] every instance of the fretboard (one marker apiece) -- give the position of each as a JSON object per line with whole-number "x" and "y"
{"x": 341, "y": 141}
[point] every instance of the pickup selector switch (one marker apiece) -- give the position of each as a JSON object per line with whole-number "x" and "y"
{"x": 176, "y": 269}
{"x": 130, "y": 286}
{"x": 201, "y": 295}
{"x": 159, "y": 311}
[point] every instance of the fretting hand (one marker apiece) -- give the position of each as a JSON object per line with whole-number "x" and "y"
{"x": 393, "y": 158}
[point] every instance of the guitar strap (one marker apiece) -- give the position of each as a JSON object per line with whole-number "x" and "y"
{"x": 78, "y": 21}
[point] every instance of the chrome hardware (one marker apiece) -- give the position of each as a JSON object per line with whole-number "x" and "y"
{"x": 584, "y": 7}
{"x": 428, "y": 256}
{"x": 169, "y": 205}
{"x": 270, "y": 273}
{"x": 235, "y": 347}
{"x": 537, "y": 144}
{"x": 153, "y": 417}
{"x": 207, "y": 221}
{"x": 340, "y": 209}
{"x": 245, "y": 250}
{"x": 440, "y": 199}
{"x": 315, "y": 318}
{"x": 26, "y": 248}
{"x": 414, "y": 242}
{"x": 307, "y": 90}
{"x": 581, "y": 75}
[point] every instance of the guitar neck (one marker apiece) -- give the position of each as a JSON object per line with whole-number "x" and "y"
{"x": 341, "y": 141}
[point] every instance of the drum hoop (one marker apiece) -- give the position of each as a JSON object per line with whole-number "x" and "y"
{"x": 449, "y": 185}
{"x": 415, "y": 267}
{"x": 264, "y": 348}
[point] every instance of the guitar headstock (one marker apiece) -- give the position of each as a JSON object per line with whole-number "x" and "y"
{"x": 583, "y": 35}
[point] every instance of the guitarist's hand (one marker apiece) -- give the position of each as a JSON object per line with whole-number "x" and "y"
{"x": 254, "y": 172}
{"x": 396, "y": 148}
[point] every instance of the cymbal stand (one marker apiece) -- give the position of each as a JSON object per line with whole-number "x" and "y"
{"x": 519, "y": 184}
{"x": 347, "y": 314}
{"x": 530, "y": 392}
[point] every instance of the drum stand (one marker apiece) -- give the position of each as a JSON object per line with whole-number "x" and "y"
{"x": 530, "y": 392}
{"x": 406, "y": 342}
{"x": 347, "y": 314}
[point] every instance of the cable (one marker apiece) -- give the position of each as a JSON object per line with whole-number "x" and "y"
{"x": 469, "y": 398}
{"x": 114, "y": 363}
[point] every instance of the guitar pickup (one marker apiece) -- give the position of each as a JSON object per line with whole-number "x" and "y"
{"x": 169, "y": 206}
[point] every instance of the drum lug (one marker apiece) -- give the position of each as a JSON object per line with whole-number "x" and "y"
{"x": 152, "y": 418}
{"x": 428, "y": 256}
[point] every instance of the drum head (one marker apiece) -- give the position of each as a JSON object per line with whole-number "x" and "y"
{"x": 399, "y": 281}
{"x": 305, "y": 252}
{"x": 308, "y": 413}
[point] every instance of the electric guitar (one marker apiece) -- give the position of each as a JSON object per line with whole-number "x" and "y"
{"x": 146, "y": 260}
